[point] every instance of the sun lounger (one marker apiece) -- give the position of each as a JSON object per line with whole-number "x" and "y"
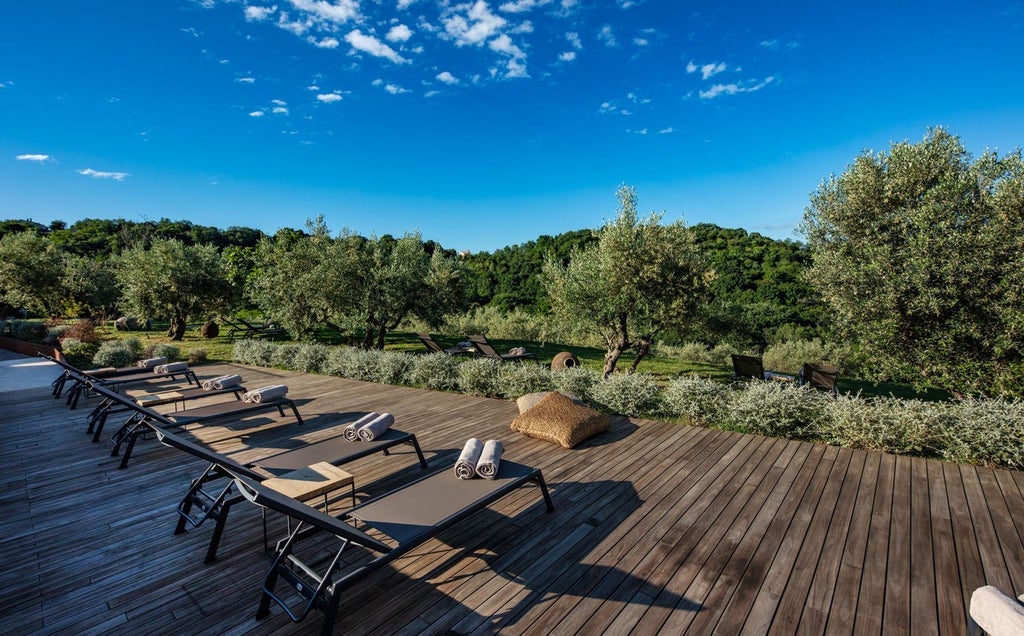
{"x": 202, "y": 503}
{"x": 405, "y": 518}
{"x": 433, "y": 347}
{"x": 820, "y": 376}
{"x": 247, "y": 330}
{"x": 752, "y": 368}
{"x": 84, "y": 379}
{"x": 481, "y": 344}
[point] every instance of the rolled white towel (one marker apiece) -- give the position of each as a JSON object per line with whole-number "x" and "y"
{"x": 465, "y": 467}
{"x": 174, "y": 367}
{"x": 517, "y": 351}
{"x": 351, "y": 432}
{"x": 208, "y": 384}
{"x": 376, "y": 427}
{"x": 149, "y": 363}
{"x": 226, "y": 381}
{"x": 266, "y": 393}
{"x": 490, "y": 458}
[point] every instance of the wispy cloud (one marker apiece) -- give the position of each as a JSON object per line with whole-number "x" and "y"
{"x": 99, "y": 174}
{"x": 521, "y": 6}
{"x": 567, "y": 56}
{"x": 398, "y": 33}
{"x": 472, "y": 24}
{"x": 574, "y": 40}
{"x": 447, "y": 78}
{"x": 245, "y": 80}
{"x": 707, "y": 71}
{"x": 336, "y": 11}
{"x": 607, "y": 35}
{"x": 641, "y": 41}
{"x": 394, "y": 89}
{"x": 370, "y": 44}
{"x": 325, "y": 43}
{"x": 35, "y": 158}
{"x": 190, "y": 31}
{"x": 257, "y": 113}
{"x": 404, "y": 4}
{"x": 258, "y": 14}
{"x": 666, "y": 131}
{"x": 734, "y": 89}
{"x": 329, "y": 98}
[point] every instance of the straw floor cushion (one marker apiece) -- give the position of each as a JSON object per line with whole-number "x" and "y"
{"x": 556, "y": 418}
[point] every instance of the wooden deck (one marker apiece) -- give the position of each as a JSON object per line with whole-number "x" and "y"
{"x": 658, "y": 528}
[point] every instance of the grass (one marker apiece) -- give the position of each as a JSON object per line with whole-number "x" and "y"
{"x": 662, "y": 368}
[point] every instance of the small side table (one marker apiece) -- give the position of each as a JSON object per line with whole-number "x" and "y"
{"x": 309, "y": 482}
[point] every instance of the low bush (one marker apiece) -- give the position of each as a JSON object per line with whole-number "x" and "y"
{"x": 789, "y": 356}
{"x": 78, "y": 354}
{"x": 393, "y": 367}
{"x": 775, "y": 408}
{"x": 257, "y": 353}
{"x": 985, "y": 431}
{"x": 480, "y": 376}
{"x": 359, "y": 364}
{"x": 83, "y": 331}
{"x": 692, "y": 352}
{"x": 435, "y": 371}
{"x": 284, "y": 355}
{"x": 196, "y": 356}
{"x": 113, "y": 354}
{"x": 28, "y": 329}
{"x": 578, "y": 380}
{"x": 134, "y": 345}
{"x": 885, "y": 424}
{"x": 518, "y": 379}
{"x": 701, "y": 400}
{"x": 169, "y": 351}
{"x": 311, "y": 358}
{"x": 627, "y": 394}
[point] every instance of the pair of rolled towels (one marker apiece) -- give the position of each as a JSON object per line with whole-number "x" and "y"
{"x": 369, "y": 427}
{"x": 517, "y": 351}
{"x": 265, "y": 394}
{"x": 222, "y": 382}
{"x": 174, "y": 367}
{"x": 479, "y": 459}
{"x": 149, "y": 363}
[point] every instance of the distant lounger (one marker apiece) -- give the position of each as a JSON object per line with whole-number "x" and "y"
{"x": 405, "y": 518}
{"x": 202, "y": 503}
{"x": 433, "y": 347}
{"x": 820, "y": 376}
{"x": 246, "y": 329}
{"x": 481, "y": 344}
{"x": 119, "y": 377}
{"x": 752, "y": 367}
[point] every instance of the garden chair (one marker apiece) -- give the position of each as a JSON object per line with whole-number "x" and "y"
{"x": 820, "y": 376}
{"x": 485, "y": 348}
{"x": 752, "y": 368}
{"x": 202, "y": 503}
{"x": 404, "y": 519}
{"x": 433, "y": 347}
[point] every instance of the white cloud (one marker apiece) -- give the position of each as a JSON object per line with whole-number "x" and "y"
{"x": 770, "y": 44}
{"x": 691, "y": 67}
{"x": 447, "y": 78}
{"x": 36, "y": 158}
{"x": 278, "y": 102}
{"x": 373, "y": 46}
{"x": 99, "y": 174}
{"x": 258, "y": 14}
{"x": 337, "y": 11}
{"x": 329, "y": 98}
{"x": 642, "y": 131}
{"x": 666, "y": 131}
{"x": 641, "y": 41}
{"x": 574, "y": 40}
{"x": 733, "y": 89}
{"x": 524, "y": 27}
{"x": 325, "y": 43}
{"x": 280, "y": 110}
{"x": 191, "y": 31}
{"x": 521, "y": 6}
{"x": 398, "y": 33}
{"x": 474, "y": 27}
{"x": 312, "y": 87}
{"x": 607, "y": 36}
{"x": 607, "y": 107}
{"x": 404, "y": 4}
{"x": 515, "y": 69}
{"x": 395, "y": 89}
{"x": 710, "y": 70}
{"x": 431, "y": 93}
{"x": 568, "y": 56}
{"x": 256, "y": 113}
{"x": 503, "y": 44}
{"x": 296, "y": 27}
{"x": 245, "y": 80}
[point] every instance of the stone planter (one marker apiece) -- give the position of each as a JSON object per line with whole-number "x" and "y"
{"x": 564, "y": 360}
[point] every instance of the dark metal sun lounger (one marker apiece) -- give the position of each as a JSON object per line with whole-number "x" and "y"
{"x": 405, "y": 518}
{"x": 98, "y": 418}
{"x": 83, "y": 379}
{"x": 217, "y": 503}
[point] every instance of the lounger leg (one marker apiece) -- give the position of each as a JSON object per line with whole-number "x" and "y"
{"x": 218, "y": 532}
{"x": 544, "y": 491}
{"x": 419, "y": 452}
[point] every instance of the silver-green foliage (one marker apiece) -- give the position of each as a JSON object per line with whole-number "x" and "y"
{"x": 311, "y": 358}
{"x": 578, "y": 380}
{"x": 775, "y": 408}
{"x": 985, "y": 431}
{"x": 517, "y": 380}
{"x": 627, "y": 394}
{"x": 393, "y": 367}
{"x": 701, "y": 400}
{"x": 480, "y": 376}
{"x": 30, "y": 273}
{"x": 258, "y": 353}
{"x": 113, "y": 354}
{"x": 169, "y": 351}
{"x": 885, "y": 424}
{"x": 435, "y": 371}
{"x": 134, "y": 345}
{"x": 918, "y": 253}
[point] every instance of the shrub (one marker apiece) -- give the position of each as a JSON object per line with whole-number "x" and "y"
{"x": 721, "y": 355}
{"x": 885, "y": 424}
{"x": 258, "y": 353}
{"x": 789, "y": 356}
{"x": 79, "y": 354}
{"x": 775, "y": 408}
{"x": 578, "y": 380}
{"x": 393, "y": 367}
{"x": 693, "y": 352}
{"x": 55, "y": 332}
{"x": 134, "y": 345}
{"x": 435, "y": 371}
{"x": 169, "y": 351}
{"x": 985, "y": 431}
{"x": 702, "y": 400}
{"x": 28, "y": 329}
{"x": 284, "y": 355}
{"x": 480, "y": 376}
{"x": 83, "y": 331}
{"x": 311, "y": 358}
{"x": 113, "y": 354}
{"x": 514, "y": 325}
{"x": 197, "y": 355}
{"x": 516, "y": 380}
{"x": 632, "y": 394}
{"x": 361, "y": 364}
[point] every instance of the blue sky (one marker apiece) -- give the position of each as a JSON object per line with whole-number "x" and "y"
{"x": 481, "y": 124}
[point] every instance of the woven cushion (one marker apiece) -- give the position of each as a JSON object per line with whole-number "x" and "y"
{"x": 558, "y": 419}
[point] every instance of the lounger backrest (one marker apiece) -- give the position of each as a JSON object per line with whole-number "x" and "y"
{"x": 747, "y": 367}
{"x": 149, "y": 414}
{"x": 176, "y": 441}
{"x": 820, "y": 376}
{"x": 269, "y": 498}
{"x": 482, "y": 345}
{"x": 429, "y": 343}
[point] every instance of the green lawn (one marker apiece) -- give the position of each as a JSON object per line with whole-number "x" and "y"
{"x": 663, "y": 368}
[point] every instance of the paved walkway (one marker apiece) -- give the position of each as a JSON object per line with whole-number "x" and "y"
{"x": 18, "y": 372}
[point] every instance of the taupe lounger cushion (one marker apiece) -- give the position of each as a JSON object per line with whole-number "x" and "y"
{"x": 558, "y": 419}
{"x": 530, "y": 400}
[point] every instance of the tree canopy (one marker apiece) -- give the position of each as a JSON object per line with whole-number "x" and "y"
{"x": 919, "y": 254}
{"x": 639, "y": 278}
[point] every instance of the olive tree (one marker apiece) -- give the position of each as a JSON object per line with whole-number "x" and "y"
{"x": 640, "y": 278}
{"x": 919, "y": 252}
{"x": 174, "y": 280}
{"x": 31, "y": 268}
